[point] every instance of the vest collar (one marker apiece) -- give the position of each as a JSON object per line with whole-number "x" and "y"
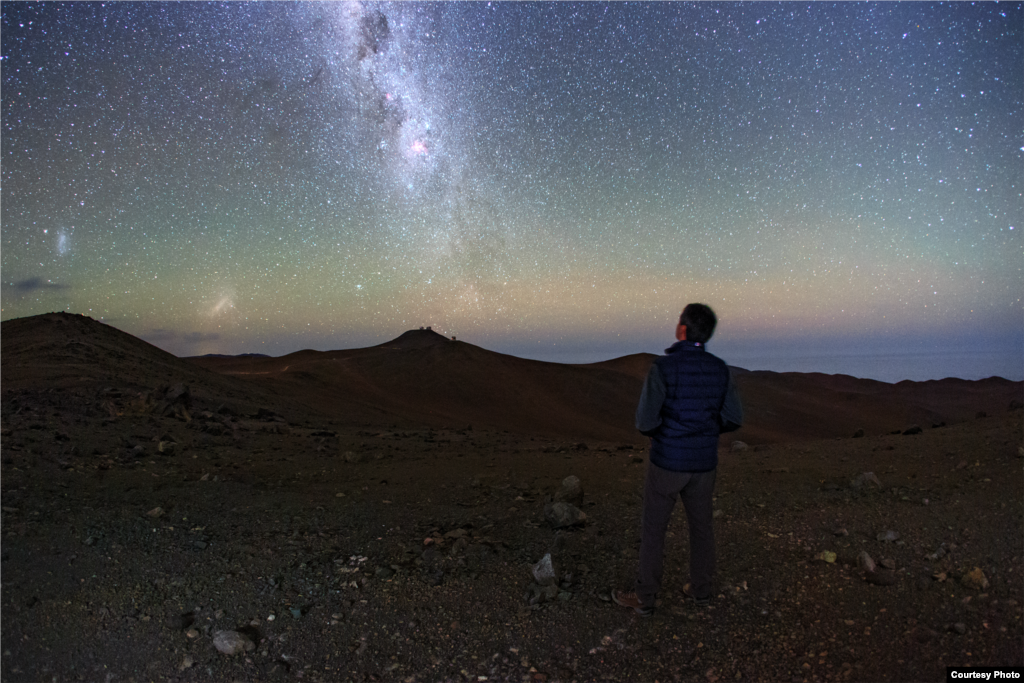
{"x": 685, "y": 345}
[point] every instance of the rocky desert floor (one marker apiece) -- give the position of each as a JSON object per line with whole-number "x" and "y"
{"x": 138, "y": 528}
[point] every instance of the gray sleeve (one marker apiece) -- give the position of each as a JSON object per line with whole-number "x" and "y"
{"x": 732, "y": 409}
{"x": 648, "y": 411}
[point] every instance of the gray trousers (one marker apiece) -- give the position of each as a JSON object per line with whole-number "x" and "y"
{"x": 660, "y": 490}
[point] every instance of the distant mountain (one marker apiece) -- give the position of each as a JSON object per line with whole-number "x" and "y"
{"x": 237, "y": 355}
{"x": 73, "y": 352}
{"x": 422, "y": 377}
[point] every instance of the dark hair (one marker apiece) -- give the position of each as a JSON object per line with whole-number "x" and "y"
{"x": 700, "y": 322}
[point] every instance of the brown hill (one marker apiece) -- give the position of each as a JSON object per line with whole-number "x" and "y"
{"x": 422, "y": 377}
{"x": 62, "y": 351}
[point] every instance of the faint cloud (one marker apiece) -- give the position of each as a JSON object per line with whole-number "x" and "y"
{"x": 165, "y": 336}
{"x": 37, "y": 284}
{"x": 196, "y": 337}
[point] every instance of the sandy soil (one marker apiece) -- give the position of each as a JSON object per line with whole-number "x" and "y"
{"x": 141, "y": 520}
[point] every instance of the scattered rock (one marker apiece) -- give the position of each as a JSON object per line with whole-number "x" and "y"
{"x": 571, "y": 491}
{"x": 865, "y": 562}
{"x": 975, "y": 579}
{"x": 888, "y": 563}
{"x": 166, "y": 447}
{"x": 560, "y": 515}
{"x": 826, "y": 556}
{"x": 864, "y": 479}
{"x": 232, "y": 642}
{"x": 180, "y": 622}
{"x": 538, "y": 594}
{"x": 888, "y": 536}
{"x": 544, "y": 572}
{"x": 156, "y": 512}
{"x": 960, "y": 627}
{"x": 186, "y": 663}
{"x": 738, "y": 447}
{"x": 179, "y": 393}
{"x": 841, "y": 531}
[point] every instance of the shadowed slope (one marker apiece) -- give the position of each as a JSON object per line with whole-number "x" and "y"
{"x": 422, "y": 376}
{"x": 65, "y": 351}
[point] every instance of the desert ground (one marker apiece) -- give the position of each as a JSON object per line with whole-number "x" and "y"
{"x": 377, "y": 514}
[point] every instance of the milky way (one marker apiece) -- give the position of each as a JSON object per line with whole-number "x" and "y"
{"x": 550, "y": 179}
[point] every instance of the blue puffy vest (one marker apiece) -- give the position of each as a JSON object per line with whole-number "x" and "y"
{"x": 695, "y": 386}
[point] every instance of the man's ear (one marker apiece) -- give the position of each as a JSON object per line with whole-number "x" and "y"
{"x": 680, "y": 332}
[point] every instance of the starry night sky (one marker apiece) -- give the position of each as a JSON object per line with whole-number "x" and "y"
{"x": 552, "y": 180}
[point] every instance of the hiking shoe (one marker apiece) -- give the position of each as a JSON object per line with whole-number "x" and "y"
{"x": 693, "y": 598}
{"x": 630, "y": 599}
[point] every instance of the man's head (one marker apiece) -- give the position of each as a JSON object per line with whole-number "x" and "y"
{"x": 699, "y": 322}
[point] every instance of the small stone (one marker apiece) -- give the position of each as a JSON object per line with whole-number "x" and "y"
{"x": 865, "y": 562}
{"x": 841, "y": 531}
{"x": 959, "y": 627}
{"x": 232, "y": 642}
{"x": 192, "y": 633}
{"x": 571, "y": 491}
{"x": 179, "y": 622}
{"x": 560, "y": 514}
{"x": 544, "y": 572}
{"x": 156, "y": 512}
{"x": 888, "y": 536}
{"x": 865, "y": 478}
{"x": 975, "y": 579}
{"x": 826, "y": 556}
{"x": 738, "y": 447}
{"x": 888, "y": 563}
{"x": 186, "y": 663}
{"x": 858, "y": 434}
{"x": 166, "y": 447}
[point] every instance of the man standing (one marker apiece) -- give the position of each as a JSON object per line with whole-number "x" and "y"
{"x": 688, "y": 399}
